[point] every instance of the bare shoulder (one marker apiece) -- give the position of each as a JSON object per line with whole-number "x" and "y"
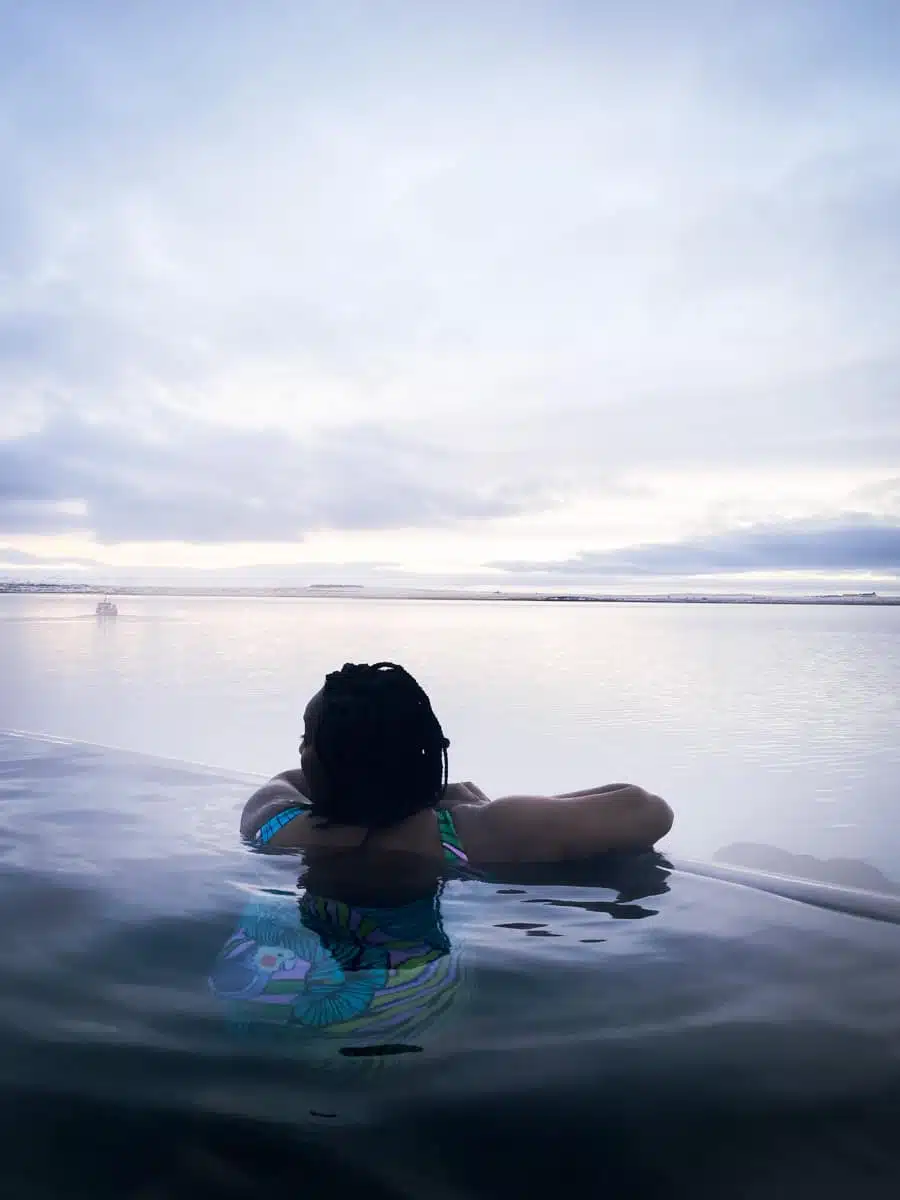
{"x": 552, "y": 829}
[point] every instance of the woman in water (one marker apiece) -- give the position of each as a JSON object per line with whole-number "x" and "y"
{"x": 373, "y": 775}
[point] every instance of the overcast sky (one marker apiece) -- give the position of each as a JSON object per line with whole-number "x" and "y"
{"x": 515, "y": 293}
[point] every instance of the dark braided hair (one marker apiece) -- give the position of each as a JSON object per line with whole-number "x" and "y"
{"x": 380, "y": 746}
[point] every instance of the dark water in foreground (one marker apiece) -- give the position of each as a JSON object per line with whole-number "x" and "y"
{"x": 178, "y": 1019}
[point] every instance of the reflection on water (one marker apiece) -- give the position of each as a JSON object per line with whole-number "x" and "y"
{"x": 309, "y": 965}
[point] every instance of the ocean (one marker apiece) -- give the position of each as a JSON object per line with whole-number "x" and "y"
{"x": 180, "y": 1016}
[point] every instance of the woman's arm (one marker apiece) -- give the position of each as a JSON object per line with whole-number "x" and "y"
{"x": 281, "y": 792}
{"x": 603, "y": 790}
{"x": 296, "y": 779}
{"x": 470, "y": 793}
{"x": 553, "y": 828}
{"x": 462, "y": 793}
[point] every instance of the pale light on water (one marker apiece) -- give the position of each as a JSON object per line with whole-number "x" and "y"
{"x": 772, "y": 725}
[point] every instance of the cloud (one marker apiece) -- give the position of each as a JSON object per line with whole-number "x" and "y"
{"x": 317, "y": 267}
{"x": 856, "y": 543}
{"x": 10, "y": 556}
{"x": 882, "y": 497}
{"x": 193, "y": 481}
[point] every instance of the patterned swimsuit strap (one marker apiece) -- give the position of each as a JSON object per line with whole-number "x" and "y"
{"x": 269, "y": 828}
{"x": 450, "y": 839}
{"x": 451, "y": 843}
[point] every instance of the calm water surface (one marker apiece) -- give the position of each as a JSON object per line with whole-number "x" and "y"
{"x": 772, "y": 725}
{"x": 180, "y": 1017}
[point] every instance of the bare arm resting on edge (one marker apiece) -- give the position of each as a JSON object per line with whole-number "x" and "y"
{"x": 571, "y": 826}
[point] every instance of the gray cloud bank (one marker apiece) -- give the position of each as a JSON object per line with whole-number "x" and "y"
{"x": 189, "y": 480}
{"x": 21, "y": 558}
{"x": 197, "y": 482}
{"x": 855, "y": 543}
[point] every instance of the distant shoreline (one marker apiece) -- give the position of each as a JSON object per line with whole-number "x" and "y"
{"x": 360, "y": 592}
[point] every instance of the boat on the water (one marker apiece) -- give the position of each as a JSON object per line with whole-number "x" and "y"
{"x": 106, "y": 608}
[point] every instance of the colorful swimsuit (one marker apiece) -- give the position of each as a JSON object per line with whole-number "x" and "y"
{"x": 373, "y": 977}
{"x": 450, "y": 839}
{"x": 269, "y": 828}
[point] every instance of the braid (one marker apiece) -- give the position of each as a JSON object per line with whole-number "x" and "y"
{"x": 381, "y": 746}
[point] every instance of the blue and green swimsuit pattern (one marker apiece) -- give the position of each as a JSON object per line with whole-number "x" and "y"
{"x": 450, "y": 839}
